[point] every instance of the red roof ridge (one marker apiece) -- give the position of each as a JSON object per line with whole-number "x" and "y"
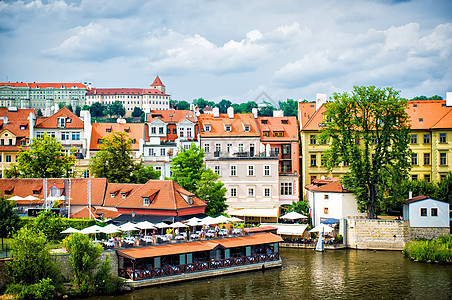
{"x": 157, "y": 82}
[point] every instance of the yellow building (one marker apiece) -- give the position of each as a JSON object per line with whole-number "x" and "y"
{"x": 431, "y": 141}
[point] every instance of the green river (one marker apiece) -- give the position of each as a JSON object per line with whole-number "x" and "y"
{"x": 307, "y": 274}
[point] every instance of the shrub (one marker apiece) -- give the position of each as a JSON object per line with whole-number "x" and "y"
{"x": 106, "y": 283}
{"x": 427, "y": 251}
{"x": 339, "y": 238}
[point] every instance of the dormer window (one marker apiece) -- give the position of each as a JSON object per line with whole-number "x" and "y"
{"x": 146, "y": 201}
{"x": 23, "y": 127}
{"x": 112, "y": 195}
{"x": 264, "y": 121}
{"x": 123, "y": 195}
{"x": 228, "y": 128}
{"x": 108, "y": 130}
{"x": 247, "y": 128}
{"x": 265, "y": 133}
{"x": 127, "y": 130}
{"x": 190, "y": 200}
{"x": 284, "y": 122}
{"x": 208, "y": 128}
{"x": 61, "y": 122}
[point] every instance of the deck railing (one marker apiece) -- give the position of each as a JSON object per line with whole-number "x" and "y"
{"x": 140, "y": 274}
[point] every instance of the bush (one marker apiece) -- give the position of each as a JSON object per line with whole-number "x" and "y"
{"x": 44, "y": 289}
{"x": 428, "y": 251}
{"x": 106, "y": 283}
{"x": 339, "y": 238}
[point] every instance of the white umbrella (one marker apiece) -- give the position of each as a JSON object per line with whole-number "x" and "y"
{"x": 162, "y": 225}
{"x": 70, "y": 230}
{"x": 293, "y": 216}
{"x": 145, "y": 225}
{"x": 194, "y": 219}
{"x": 178, "y": 225}
{"x": 221, "y": 220}
{"x": 208, "y": 221}
{"x": 235, "y": 219}
{"x": 193, "y": 223}
{"x": 109, "y": 229}
{"x": 91, "y": 229}
{"x": 16, "y": 198}
{"x": 31, "y": 198}
{"x": 128, "y": 227}
{"x": 322, "y": 228}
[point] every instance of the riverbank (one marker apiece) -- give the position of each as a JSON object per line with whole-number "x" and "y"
{"x": 311, "y": 246}
{"x": 438, "y": 250}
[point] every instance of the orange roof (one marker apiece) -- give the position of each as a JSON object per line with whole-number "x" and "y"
{"x": 157, "y": 82}
{"x": 424, "y": 114}
{"x": 118, "y": 189}
{"x": 84, "y": 213}
{"x": 237, "y": 125}
{"x": 14, "y": 84}
{"x": 171, "y": 116}
{"x": 18, "y": 125}
{"x": 110, "y": 213}
{"x": 164, "y": 194}
{"x": 288, "y": 125}
{"x": 124, "y": 91}
{"x": 334, "y": 186}
{"x": 171, "y": 249}
{"x": 99, "y": 131}
{"x": 305, "y": 112}
{"x": 57, "y": 85}
{"x": 52, "y": 121}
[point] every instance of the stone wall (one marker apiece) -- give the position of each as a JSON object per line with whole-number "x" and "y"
{"x": 3, "y": 273}
{"x": 428, "y": 232}
{"x": 376, "y": 234}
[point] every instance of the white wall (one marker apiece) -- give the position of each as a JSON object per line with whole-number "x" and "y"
{"x": 442, "y": 220}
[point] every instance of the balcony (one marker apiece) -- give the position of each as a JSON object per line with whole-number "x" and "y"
{"x": 243, "y": 155}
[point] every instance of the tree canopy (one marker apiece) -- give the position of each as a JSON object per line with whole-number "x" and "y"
{"x": 223, "y": 106}
{"x": 9, "y": 218}
{"x": 44, "y": 158}
{"x": 114, "y": 161}
{"x": 97, "y": 110}
{"x": 116, "y": 109}
{"x": 137, "y": 112}
{"x": 202, "y": 103}
{"x": 368, "y": 130}
{"x": 189, "y": 171}
{"x": 290, "y": 107}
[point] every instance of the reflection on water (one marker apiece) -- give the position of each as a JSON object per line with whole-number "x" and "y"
{"x": 307, "y": 274}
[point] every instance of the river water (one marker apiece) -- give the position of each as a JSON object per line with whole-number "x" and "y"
{"x": 307, "y": 274}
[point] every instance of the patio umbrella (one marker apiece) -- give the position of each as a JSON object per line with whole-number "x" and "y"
{"x": 128, "y": 227}
{"x": 235, "y": 220}
{"x": 31, "y": 198}
{"x": 208, "y": 221}
{"x": 221, "y": 220}
{"x": 193, "y": 223}
{"x": 16, "y": 198}
{"x": 178, "y": 225}
{"x": 194, "y": 219}
{"x": 110, "y": 228}
{"x": 145, "y": 225}
{"x": 70, "y": 230}
{"x": 322, "y": 228}
{"x": 330, "y": 221}
{"x": 162, "y": 225}
{"x": 92, "y": 229}
{"x": 293, "y": 216}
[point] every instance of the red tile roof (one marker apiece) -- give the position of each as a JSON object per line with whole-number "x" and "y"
{"x": 44, "y": 85}
{"x": 288, "y": 125}
{"x": 305, "y": 112}
{"x": 14, "y": 84}
{"x": 124, "y": 91}
{"x": 18, "y": 125}
{"x": 171, "y": 116}
{"x": 99, "y": 131}
{"x": 333, "y": 186}
{"x": 84, "y": 213}
{"x": 237, "y": 125}
{"x": 157, "y": 82}
{"x": 52, "y": 121}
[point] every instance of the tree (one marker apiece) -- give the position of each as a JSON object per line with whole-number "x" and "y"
{"x": 39, "y": 113}
{"x": 266, "y": 111}
{"x": 116, "y": 109}
{"x": 182, "y": 105}
{"x": 84, "y": 258}
{"x": 114, "y": 160}
{"x": 144, "y": 174}
{"x": 97, "y": 110}
{"x": 9, "y": 218}
{"x": 30, "y": 260}
{"x": 201, "y": 103}
{"x": 301, "y": 207}
{"x": 50, "y": 224}
{"x": 444, "y": 189}
{"x": 369, "y": 130}
{"x": 43, "y": 159}
{"x": 290, "y": 107}
{"x": 190, "y": 173}
{"x": 137, "y": 112}
{"x": 223, "y": 105}
{"x": 78, "y": 109}
{"x": 211, "y": 190}
{"x": 69, "y": 106}
{"x": 85, "y": 107}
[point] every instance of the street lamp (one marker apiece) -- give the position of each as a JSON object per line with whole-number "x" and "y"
{"x": 133, "y": 216}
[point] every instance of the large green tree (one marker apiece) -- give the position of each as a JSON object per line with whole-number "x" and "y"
{"x": 290, "y": 107}
{"x": 137, "y": 112}
{"x": 116, "y": 109}
{"x": 44, "y": 158}
{"x": 114, "y": 161}
{"x": 369, "y": 131}
{"x": 9, "y": 218}
{"x": 189, "y": 171}
{"x": 97, "y": 110}
{"x": 202, "y": 103}
{"x": 223, "y": 105}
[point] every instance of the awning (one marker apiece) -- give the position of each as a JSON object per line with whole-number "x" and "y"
{"x": 291, "y": 230}
{"x": 256, "y": 212}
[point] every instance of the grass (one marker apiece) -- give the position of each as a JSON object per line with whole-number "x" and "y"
{"x": 439, "y": 250}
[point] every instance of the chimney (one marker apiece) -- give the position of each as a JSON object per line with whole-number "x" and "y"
{"x": 231, "y": 112}
{"x": 449, "y": 99}
{"x": 5, "y": 120}
{"x": 410, "y": 195}
{"x": 31, "y": 125}
{"x": 254, "y": 111}
{"x": 320, "y": 99}
{"x": 216, "y": 112}
{"x": 278, "y": 113}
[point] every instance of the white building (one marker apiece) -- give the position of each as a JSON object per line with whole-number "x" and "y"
{"x": 423, "y": 211}
{"x": 328, "y": 199}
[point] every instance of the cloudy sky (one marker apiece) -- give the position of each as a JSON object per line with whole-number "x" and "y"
{"x": 231, "y": 49}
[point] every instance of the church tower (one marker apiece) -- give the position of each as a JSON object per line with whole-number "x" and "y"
{"x": 157, "y": 84}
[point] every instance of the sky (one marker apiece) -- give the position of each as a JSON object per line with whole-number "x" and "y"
{"x": 235, "y": 50}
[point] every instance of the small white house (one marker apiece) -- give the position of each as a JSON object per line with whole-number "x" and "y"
{"x": 328, "y": 199}
{"x": 423, "y": 211}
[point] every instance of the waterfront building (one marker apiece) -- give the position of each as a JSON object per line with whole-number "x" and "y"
{"x": 425, "y": 212}
{"x": 154, "y": 98}
{"x": 42, "y": 96}
{"x": 431, "y": 140}
{"x": 328, "y": 199}
{"x": 166, "y": 132}
{"x": 16, "y": 129}
{"x": 232, "y": 145}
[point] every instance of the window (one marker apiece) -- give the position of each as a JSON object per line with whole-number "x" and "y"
{"x": 442, "y": 138}
{"x": 76, "y": 136}
{"x": 228, "y": 148}
{"x": 266, "y": 170}
{"x": 86, "y": 174}
{"x": 325, "y": 210}
{"x": 326, "y": 197}
{"x": 174, "y": 131}
{"x": 443, "y": 159}
{"x": 233, "y": 171}
{"x": 414, "y": 177}
{"x": 426, "y": 158}
{"x": 207, "y": 148}
{"x": 233, "y": 192}
{"x": 427, "y": 177}
{"x": 228, "y": 128}
{"x": 217, "y": 169}
{"x": 62, "y": 122}
{"x": 7, "y": 158}
{"x": 162, "y": 152}
{"x": 168, "y": 131}
{"x": 146, "y": 201}
{"x": 286, "y": 188}
{"x": 423, "y": 212}
{"x": 247, "y": 128}
{"x": 434, "y": 212}
{"x": 151, "y": 152}
{"x": 208, "y": 128}
{"x": 153, "y": 130}
{"x": 267, "y": 192}
{"x": 414, "y": 159}
{"x": 313, "y": 160}
{"x": 414, "y": 139}
{"x": 278, "y": 133}
{"x": 112, "y": 195}
{"x": 123, "y": 195}
{"x": 189, "y": 135}
{"x": 250, "y": 170}
{"x": 65, "y": 136}
{"x": 161, "y": 130}
{"x": 265, "y": 133}
{"x": 217, "y": 147}
{"x": 250, "y": 192}
{"x": 426, "y": 138}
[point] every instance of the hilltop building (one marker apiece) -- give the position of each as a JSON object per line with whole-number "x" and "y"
{"x": 154, "y": 98}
